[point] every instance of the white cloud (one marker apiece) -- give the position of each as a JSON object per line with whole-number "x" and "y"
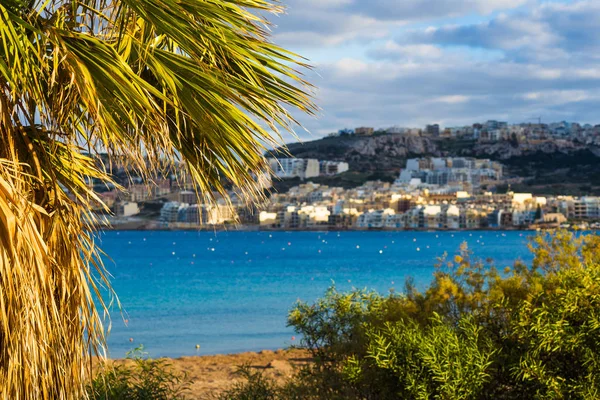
{"x": 541, "y": 59}
{"x": 392, "y": 49}
{"x": 311, "y": 23}
{"x": 454, "y": 99}
{"x": 545, "y": 32}
{"x": 558, "y": 97}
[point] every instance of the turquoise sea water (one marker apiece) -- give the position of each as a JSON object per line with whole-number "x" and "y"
{"x": 231, "y": 291}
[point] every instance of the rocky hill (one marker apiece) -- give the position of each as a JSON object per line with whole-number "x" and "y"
{"x": 545, "y": 163}
{"x": 366, "y": 154}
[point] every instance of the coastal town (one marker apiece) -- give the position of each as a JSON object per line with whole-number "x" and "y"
{"x": 428, "y": 193}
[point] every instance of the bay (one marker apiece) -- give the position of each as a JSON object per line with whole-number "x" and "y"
{"x": 231, "y": 291}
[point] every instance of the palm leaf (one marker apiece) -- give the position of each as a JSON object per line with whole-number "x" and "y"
{"x": 195, "y": 81}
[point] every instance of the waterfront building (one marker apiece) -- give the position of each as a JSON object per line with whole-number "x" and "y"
{"x": 554, "y": 218}
{"x": 432, "y": 217}
{"x": 587, "y": 207}
{"x": 170, "y": 212}
{"x": 373, "y": 219}
{"x": 523, "y": 217}
{"x": 268, "y": 219}
{"x": 452, "y": 217}
{"x": 315, "y": 215}
{"x": 395, "y": 221}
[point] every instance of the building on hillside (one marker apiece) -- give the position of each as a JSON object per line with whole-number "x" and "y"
{"x": 432, "y": 130}
{"x": 451, "y": 171}
{"x": 264, "y": 180}
{"x": 161, "y": 187}
{"x": 138, "y": 193}
{"x": 109, "y": 198}
{"x": 294, "y": 168}
{"x": 328, "y": 168}
{"x": 364, "y": 131}
{"x": 188, "y": 197}
{"x": 396, "y": 130}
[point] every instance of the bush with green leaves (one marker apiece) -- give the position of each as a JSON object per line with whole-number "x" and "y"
{"x": 255, "y": 386}
{"x": 145, "y": 379}
{"x": 528, "y": 331}
{"x": 437, "y": 361}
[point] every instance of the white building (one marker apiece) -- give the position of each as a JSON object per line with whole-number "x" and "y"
{"x": 450, "y": 171}
{"x": 374, "y": 219}
{"x": 314, "y": 215}
{"x": 216, "y": 214}
{"x": 294, "y": 167}
{"x": 432, "y": 216}
{"x": 170, "y": 211}
{"x": 126, "y": 209}
{"x": 267, "y": 218}
{"x": 395, "y": 221}
{"x": 329, "y": 168}
{"x": 453, "y": 217}
{"x": 585, "y": 208}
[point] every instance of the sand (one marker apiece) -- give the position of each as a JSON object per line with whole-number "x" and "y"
{"x": 211, "y": 375}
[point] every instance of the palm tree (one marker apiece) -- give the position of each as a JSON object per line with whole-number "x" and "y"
{"x": 192, "y": 81}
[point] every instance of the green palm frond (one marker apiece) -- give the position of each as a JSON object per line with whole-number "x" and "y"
{"x": 196, "y": 81}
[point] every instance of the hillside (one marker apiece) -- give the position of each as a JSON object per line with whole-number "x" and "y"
{"x": 548, "y": 167}
{"x": 366, "y": 154}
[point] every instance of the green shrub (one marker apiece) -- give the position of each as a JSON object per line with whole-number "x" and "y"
{"x": 146, "y": 379}
{"x": 254, "y": 387}
{"x": 436, "y": 362}
{"x": 530, "y": 331}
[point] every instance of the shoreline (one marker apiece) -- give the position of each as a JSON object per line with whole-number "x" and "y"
{"x": 254, "y": 228}
{"x": 210, "y": 375}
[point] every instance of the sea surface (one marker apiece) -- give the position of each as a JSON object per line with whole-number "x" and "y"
{"x": 230, "y": 292}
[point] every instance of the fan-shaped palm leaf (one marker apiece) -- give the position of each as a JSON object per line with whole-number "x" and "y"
{"x": 144, "y": 80}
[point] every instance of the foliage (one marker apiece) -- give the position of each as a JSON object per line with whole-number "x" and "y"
{"x": 529, "y": 331}
{"x": 146, "y": 379}
{"x": 191, "y": 81}
{"x": 436, "y": 361}
{"x": 254, "y": 387}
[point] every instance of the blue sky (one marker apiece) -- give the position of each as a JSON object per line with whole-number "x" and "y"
{"x": 412, "y": 62}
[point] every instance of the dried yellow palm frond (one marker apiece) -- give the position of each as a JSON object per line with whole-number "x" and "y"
{"x": 195, "y": 81}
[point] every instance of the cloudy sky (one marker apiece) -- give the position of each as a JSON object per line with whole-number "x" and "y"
{"x": 412, "y": 62}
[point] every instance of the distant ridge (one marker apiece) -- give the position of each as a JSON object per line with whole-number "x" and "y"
{"x": 547, "y": 165}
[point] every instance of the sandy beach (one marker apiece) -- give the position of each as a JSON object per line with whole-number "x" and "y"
{"x": 211, "y": 375}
